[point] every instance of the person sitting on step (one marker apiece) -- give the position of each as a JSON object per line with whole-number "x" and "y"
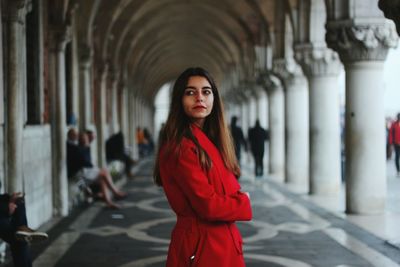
{"x": 15, "y": 231}
{"x": 79, "y": 164}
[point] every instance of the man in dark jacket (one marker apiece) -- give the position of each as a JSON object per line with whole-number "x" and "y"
{"x": 238, "y": 137}
{"x": 115, "y": 150}
{"x": 74, "y": 157}
{"x": 257, "y": 137}
{"x": 14, "y": 229}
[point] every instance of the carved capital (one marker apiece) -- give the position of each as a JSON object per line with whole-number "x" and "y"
{"x": 102, "y": 70}
{"x": 391, "y": 9}
{"x": 121, "y": 85}
{"x": 85, "y": 56}
{"x": 60, "y": 36}
{"x": 16, "y": 11}
{"x": 286, "y": 69}
{"x": 269, "y": 82}
{"x": 361, "y": 42}
{"x": 318, "y": 61}
{"x": 113, "y": 76}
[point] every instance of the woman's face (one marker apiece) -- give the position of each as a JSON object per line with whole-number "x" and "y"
{"x": 198, "y": 99}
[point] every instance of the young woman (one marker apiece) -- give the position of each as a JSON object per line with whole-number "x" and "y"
{"x": 197, "y": 167}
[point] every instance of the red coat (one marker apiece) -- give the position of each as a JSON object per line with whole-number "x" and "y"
{"x": 394, "y": 133}
{"x": 207, "y": 204}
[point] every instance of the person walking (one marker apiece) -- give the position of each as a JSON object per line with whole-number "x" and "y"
{"x": 238, "y": 137}
{"x": 257, "y": 137}
{"x": 197, "y": 168}
{"x": 394, "y": 139}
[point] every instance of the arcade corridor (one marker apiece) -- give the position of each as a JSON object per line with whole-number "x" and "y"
{"x": 98, "y": 65}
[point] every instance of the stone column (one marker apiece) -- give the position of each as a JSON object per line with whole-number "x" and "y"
{"x": 16, "y": 12}
{"x": 363, "y": 50}
{"x": 133, "y": 113}
{"x": 276, "y": 119}
{"x": 59, "y": 38}
{"x": 85, "y": 85}
{"x": 262, "y": 108}
{"x": 297, "y": 124}
{"x": 101, "y": 118}
{"x": 253, "y": 114}
{"x": 244, "y": 118}
{"x": 322, "y": 67}
{"x": 115, "y": 127}
{"x": 123, "y": 119}
{"x": 74, "y": 73}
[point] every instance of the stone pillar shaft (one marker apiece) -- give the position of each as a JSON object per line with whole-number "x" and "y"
{"x": 74, "y": 77}
{"x": 115, "y": 126}
{"x": 297, "y": 133}
{"x": 59, "y": 39}
{"x": 14, "y": 126}
{"x": 277, "y": 133}
{"x": 365, "y": 138}
{"x": 123, "y": 120}
{"x": 85, "y": 86}
{"x": 101, "y": 119}
{"x": 133, "y": 123}
{"x": 324, "y": 136}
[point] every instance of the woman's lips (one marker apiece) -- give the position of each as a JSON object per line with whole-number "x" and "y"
{"x": 200, "y": 107}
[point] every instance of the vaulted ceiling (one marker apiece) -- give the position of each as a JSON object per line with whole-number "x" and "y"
{"x": 150, "y": 42}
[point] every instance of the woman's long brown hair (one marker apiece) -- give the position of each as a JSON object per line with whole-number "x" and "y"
{"x": 178, "y": 126}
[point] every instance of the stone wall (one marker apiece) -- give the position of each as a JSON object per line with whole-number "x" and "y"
{"x": 37, "y": 174}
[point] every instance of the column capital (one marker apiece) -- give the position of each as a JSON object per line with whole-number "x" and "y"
{"x": 113, "y": 76}
{"x": 269, "y": 82}
{"x": 60, "y": 36}
{"x": 288, "y": 71}
{"x": 16, "y": 10}
{"x": 318, "y": 61}
{"x": 103, "y": 71}
{"x": 85, "y": 56}
{"x": 285, "y": 68}
{"x": 121, "y": 85}
{"x": 240, "y": 95}
{"x": 391, "y": 9}
{"x": 361, "y": 42}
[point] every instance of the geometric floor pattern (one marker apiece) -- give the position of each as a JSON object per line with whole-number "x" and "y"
{"x": 286, "y": 230}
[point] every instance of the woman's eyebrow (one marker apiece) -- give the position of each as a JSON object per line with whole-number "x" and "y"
{"x": 193, "y": 87}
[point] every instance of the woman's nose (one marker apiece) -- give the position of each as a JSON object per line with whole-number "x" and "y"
{"x": 200, "y": 97}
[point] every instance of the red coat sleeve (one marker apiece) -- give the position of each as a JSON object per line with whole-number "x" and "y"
{"x": 391, "y": 134}
{"x": 208, "y": 205}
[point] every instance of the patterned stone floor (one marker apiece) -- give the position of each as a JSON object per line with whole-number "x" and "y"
{"x": 287, "y": 230}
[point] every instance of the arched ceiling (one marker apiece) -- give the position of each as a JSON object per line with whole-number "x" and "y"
{"x": 150, "y": 42}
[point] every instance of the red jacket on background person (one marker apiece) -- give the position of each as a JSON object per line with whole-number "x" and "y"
{"x": 394, "y": 133}
{"x": 207, "y": 204}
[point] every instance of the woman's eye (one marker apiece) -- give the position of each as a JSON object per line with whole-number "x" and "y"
{"x": 207, "y": 92}
{"x": 189, "y": 92}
